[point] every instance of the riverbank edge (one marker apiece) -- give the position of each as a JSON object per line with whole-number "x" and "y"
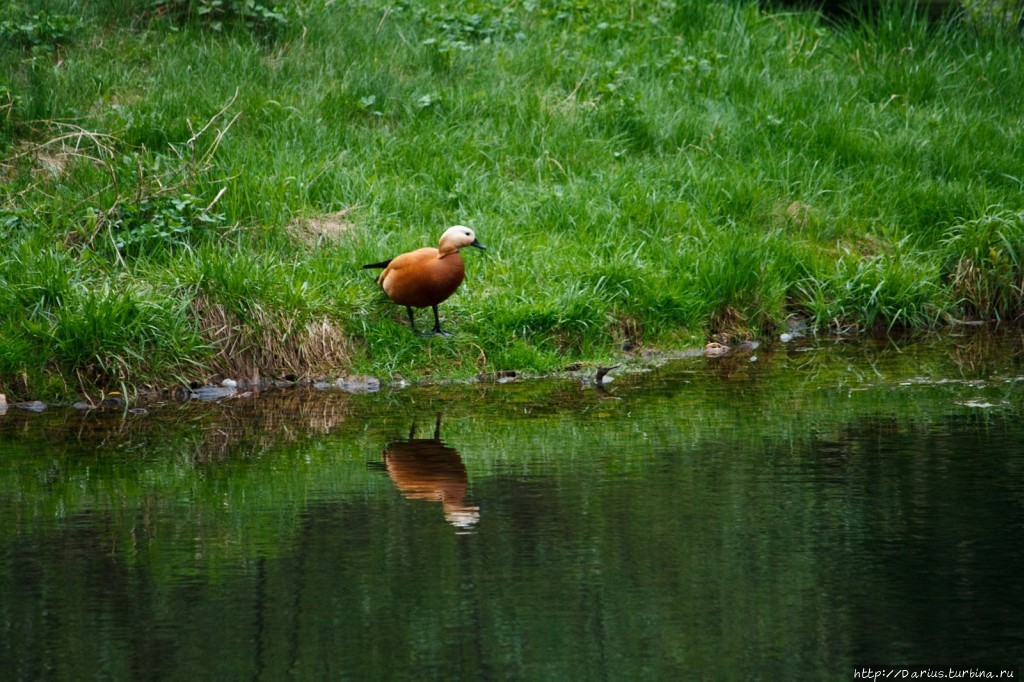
{"x": 598, "y": 374}
{"x": 143, "y": 396}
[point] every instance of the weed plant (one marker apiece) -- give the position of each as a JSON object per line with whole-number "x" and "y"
{"x": 190, "y": 186}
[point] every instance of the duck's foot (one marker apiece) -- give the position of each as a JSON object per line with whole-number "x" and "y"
{"x": 437, "y": 324}
{"x": 434, "y": 332}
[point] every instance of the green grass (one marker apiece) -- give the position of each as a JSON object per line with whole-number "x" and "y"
{"x": 190, "y": 194}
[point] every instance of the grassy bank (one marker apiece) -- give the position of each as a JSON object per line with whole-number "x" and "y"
{"x": 189, "y": 195}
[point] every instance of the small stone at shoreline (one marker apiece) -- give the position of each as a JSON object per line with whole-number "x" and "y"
{"x": 32, "y": 406}
{"x": 715, "y": 349}
{"x": 211, "y": 393}
{"x": 502, "y": 376}
{"x": 360, "y": 383}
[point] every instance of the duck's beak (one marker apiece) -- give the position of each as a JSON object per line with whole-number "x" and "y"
{"x": 477, "y": 244}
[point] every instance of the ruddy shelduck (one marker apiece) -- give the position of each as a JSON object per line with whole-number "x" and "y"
{"x": 426, "y": 277}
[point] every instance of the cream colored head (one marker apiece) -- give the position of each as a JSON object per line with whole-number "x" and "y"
{"x": 457, "y": 237}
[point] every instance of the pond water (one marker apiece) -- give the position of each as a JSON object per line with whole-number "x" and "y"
{"x": 788, "y": 514}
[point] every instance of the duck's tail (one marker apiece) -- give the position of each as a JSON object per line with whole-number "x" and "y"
{"x": 377, "y": 266}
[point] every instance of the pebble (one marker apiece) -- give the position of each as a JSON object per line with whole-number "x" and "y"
{"x": 360, "y": 383}
{"x": 502, "y": 376}
{"x": 714, "y": 349}
{"x": 211, "y": 393}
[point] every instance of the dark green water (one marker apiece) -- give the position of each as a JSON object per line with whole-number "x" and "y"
{"x": 824, "y": 507}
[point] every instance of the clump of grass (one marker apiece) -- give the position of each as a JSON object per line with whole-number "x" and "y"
{"x": 259, "y": 316}
{"x": 874, "y": 294}
{"x": 742, "y": 280}
{"x": 87, "y": 333}
{"x": 982, "y": 261}
{"x": 268, "y": 345}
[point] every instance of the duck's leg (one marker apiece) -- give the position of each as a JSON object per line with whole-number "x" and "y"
{"x": 412, "y": 322}
{"x": 437, "y": 324}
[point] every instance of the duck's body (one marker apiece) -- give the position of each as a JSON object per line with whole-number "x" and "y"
{"x": 423, "y": 277}
{"x": 426, "y": 277}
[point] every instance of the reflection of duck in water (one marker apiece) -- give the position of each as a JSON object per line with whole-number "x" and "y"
{"x": 427, "y": 469}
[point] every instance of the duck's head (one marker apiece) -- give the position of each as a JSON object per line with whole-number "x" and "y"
{"x": 457, "y": 237}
